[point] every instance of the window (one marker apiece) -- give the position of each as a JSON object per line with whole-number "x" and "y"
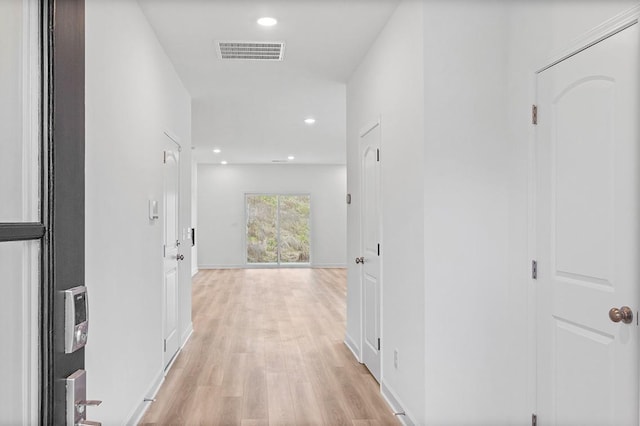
{"x": 278, "y": 229}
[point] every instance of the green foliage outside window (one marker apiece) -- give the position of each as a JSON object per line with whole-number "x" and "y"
{"x": 278, "y": 228}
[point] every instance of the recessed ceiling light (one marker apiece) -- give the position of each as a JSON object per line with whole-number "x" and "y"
{"x": 309, "y": 120}
{"x": 267, "y": 21}
{"x": 224, "y": 163}
{"x": 291, "y": 157}
{"x": 217, "y": 151}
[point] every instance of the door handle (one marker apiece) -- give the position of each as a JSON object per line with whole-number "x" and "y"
{"x": 180, "y": 257}
{"x": 359, "y": 260}
{"x": 624, "y": 314}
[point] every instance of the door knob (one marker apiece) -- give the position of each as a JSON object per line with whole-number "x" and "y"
{"x": 624, "y": 314}
{"x": 180, "y": 257}
{"x": 359, "y": 260}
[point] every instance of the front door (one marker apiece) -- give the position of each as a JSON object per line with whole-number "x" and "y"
{"x": 588, "y": 235}
{"x": 370, "y": 259}
{"x": 171, "y": 250}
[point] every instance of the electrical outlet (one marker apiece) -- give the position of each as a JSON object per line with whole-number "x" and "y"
{"x": 395, "y": 358}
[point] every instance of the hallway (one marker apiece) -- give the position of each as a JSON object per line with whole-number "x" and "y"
{"x": 268, "y": 350}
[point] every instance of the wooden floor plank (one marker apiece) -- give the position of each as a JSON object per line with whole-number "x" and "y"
{"x": 268, "y": 350}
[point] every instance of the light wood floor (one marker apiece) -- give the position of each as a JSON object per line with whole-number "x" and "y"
{"x": 268, "y": 350}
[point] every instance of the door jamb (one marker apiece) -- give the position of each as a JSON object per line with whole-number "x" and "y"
{"x": 599, "y": 33}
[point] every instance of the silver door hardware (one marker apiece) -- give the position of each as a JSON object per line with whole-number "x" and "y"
{"x": 76, "y": 320}
{"x": 77, "y": 401}
{"x": 534, "y": 114}
{"x": 534, "y": 269}
{"x": 624, "y": 314}
{"x": 180, "y": 257}
{"x": 359, "y": 260}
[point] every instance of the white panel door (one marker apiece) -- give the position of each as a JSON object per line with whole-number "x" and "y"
{"x": 171, "y": 255}
{"x": 370, "y": 222}
{"x": 588, "y": 211}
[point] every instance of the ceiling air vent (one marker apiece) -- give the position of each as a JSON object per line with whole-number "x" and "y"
{"x": 251, "y": 50}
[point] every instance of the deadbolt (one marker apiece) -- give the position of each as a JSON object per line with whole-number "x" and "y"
{"x": 624, "y": 314}
{"x": 359, "y": 260}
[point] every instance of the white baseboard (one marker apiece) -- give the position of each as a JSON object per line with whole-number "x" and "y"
{"x": 353, "y": 347}
{"x": 390, "y": 396}
{"x": 139, "y": 411}
{"x": 222, "y": 266}
{"x": 150, "y": 395}
{"x": 186, "y": 335}
{"x": 329, "y": 265}
{"x": 313, "y": 266}
{"x": 194, "y": 271}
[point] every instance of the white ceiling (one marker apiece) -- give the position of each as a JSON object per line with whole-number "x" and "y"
{"x": 254, "y": 111}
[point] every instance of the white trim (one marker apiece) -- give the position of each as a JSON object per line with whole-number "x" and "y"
{"x": 186, "y": 334}
{"x": 352, "y": 346}
{"x": 329, "y": 266}
{"x": 396, "y": 406}
{"x": 274, "y": 266}
{"x": 137, "y": 414}
{"x": 156, "y": 383}
{"x": 365, "y": 130}
{"x": 603, "y": 31}
{"x": 174, "y": 138}
{"x": 214, "y": 266}
{"x": 194, "y": 271}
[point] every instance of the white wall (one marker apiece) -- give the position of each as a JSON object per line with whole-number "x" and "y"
{"x": 466, "y": 157}
{"x": 389, "y": 84}
{"x": 221, "y": 209}
{"x": 133, "y": 95}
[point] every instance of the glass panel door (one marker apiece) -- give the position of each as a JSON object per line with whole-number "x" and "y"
{"x": 278, "y": 229}
{"x": 21, "y": 227}
{"x": 262, "y": 229}
{"x": 294, "y": 228}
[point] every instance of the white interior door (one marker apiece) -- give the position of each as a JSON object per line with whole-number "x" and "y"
{"x": 587, "y": 235}
{"x": 171, "y": 252}
{"x": 370, "y": 222}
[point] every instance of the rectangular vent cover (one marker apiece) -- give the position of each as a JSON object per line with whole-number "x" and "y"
{"x": 251, "y": 50}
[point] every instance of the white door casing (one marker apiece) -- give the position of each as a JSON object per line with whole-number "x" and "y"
{"x": 370, "y": 247}
{"x": 587, "y": 235}
{"x": 171, "y": 253}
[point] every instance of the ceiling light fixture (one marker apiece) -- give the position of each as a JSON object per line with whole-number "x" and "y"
{"x": 267, "y": 21}
{"x": 217, "y": 151}
{"x": 224, "y": 163}
{"x": 309, "y": 120}
{"x": 291, "y": 157}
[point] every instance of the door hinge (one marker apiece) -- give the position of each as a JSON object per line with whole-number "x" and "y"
{"x": 164, "y": 157}
{"x": 378, "y": 249}
{"x": 534, "y": 269}
{"x": 377, "y": 155}
{"x": 378, "y": 343}
{"x": 165, "y": 345}
{"x": 534, "y": 420}
{"x": 534, "y": 114}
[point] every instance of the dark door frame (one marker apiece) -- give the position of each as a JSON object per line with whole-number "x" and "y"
{"x": 63, "y": 203}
